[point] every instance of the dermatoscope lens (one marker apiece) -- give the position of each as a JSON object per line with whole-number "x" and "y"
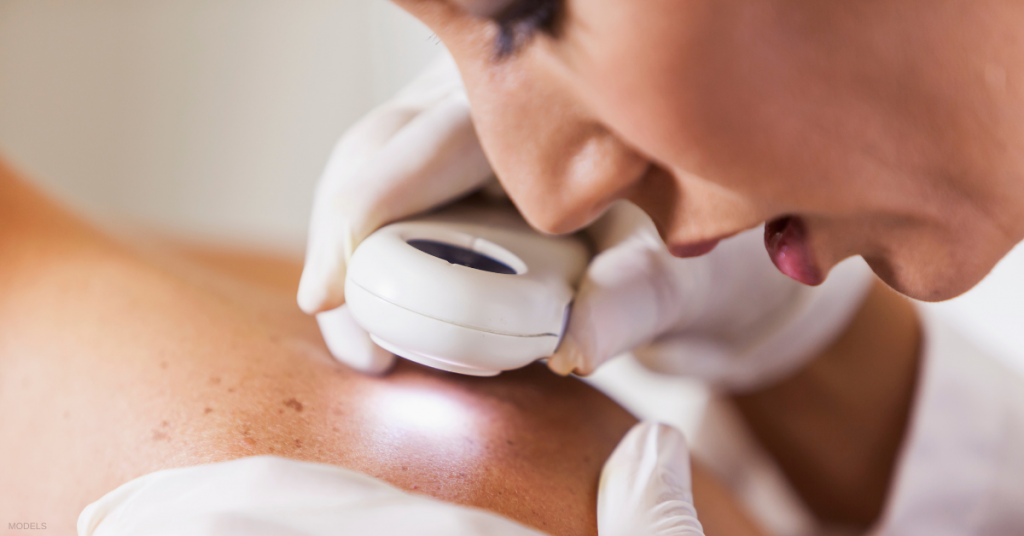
{"x": 461, "y": 256}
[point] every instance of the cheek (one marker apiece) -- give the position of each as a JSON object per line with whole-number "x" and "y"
{"x": 631, "y": 65}
{"x": 696, "y": 86}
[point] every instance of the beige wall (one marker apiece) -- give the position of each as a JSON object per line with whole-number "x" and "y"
{"x": 206, "y": 117}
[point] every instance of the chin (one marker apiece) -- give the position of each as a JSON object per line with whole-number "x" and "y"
{"x": 931, "y": 281}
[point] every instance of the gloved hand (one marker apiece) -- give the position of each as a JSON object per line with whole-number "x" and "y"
{"x": 644, "y": 491}
{"x": 729, "y": 317}
{"x": 415, "y": 152}
{"x": 646, "y": 487}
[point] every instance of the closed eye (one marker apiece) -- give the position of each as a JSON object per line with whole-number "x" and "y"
{"x": 522, "y": 20}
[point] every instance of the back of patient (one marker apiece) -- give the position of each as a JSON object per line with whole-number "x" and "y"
{"x": 117, "y": 362}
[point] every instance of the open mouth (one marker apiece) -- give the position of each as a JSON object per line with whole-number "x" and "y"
{"x": 789, "y": 248}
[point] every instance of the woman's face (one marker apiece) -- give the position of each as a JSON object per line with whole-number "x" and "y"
{"x": 891, "y": 130}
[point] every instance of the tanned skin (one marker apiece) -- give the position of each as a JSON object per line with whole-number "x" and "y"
{"x": 120, "y": 358}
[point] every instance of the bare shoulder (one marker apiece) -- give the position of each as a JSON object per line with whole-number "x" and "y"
{"x": 115, "y": 364}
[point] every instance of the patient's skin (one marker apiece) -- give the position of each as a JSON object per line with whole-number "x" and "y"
{"x": 117, "y": 362}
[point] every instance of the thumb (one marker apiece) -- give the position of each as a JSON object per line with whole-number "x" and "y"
{"x": 349, "y": 344}
{"x": 646, "y": 487}
{"x": 630, "y": 294}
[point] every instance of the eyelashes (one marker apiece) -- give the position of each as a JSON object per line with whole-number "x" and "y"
{"x": 522, "y": 20}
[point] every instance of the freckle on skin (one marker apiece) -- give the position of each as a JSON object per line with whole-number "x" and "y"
{"x": 215, "y": 380}
{"x": 298, "y": 442}
{"x": 231, "y": 389}
{"x": 294, "y": 404}
{"x": 207, "y": 411}
{"x": 163, "y": 365}
{"x": 158, "y": 435}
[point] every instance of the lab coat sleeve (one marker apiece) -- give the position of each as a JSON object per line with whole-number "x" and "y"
{"x": 961, "y": 471}
{"x": 271, "y": 496}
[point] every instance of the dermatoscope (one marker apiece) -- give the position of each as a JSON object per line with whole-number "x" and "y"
{"x": 471, "y": 288}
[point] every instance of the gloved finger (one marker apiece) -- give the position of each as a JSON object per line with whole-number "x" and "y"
{"x": 630, "y": 294}
{"x": 646, "y": 486}
{"x": 349, "y": 344}
{"x": 361, "y": 142}
{"x": 319, "y": 290}
{"x": 433, "y": 159}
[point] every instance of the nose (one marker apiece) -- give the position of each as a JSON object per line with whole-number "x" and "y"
{"x": 570, "y": 186}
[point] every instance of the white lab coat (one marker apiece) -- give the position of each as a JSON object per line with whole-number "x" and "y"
{"x": 960, "y": 473}
{"x": 961, "y": 468}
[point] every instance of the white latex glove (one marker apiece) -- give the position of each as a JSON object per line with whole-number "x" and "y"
{"x": 729, "y": 318}
{"x": 271, "y": 496}
{"x": 415, "y": 152}
{"x": 644, "y": 491}
{"x": 645, "y": 486}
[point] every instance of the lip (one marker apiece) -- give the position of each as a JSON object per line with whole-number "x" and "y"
{"x": 789, "y": 248}
{"x": 694, "y": 249}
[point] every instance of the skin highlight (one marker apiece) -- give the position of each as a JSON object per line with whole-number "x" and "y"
{"x": 892, "y": 130}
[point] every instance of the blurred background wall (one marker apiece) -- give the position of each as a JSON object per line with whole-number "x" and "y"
{"x": 212, "y": 118}
{"x": 207, "y": 118}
